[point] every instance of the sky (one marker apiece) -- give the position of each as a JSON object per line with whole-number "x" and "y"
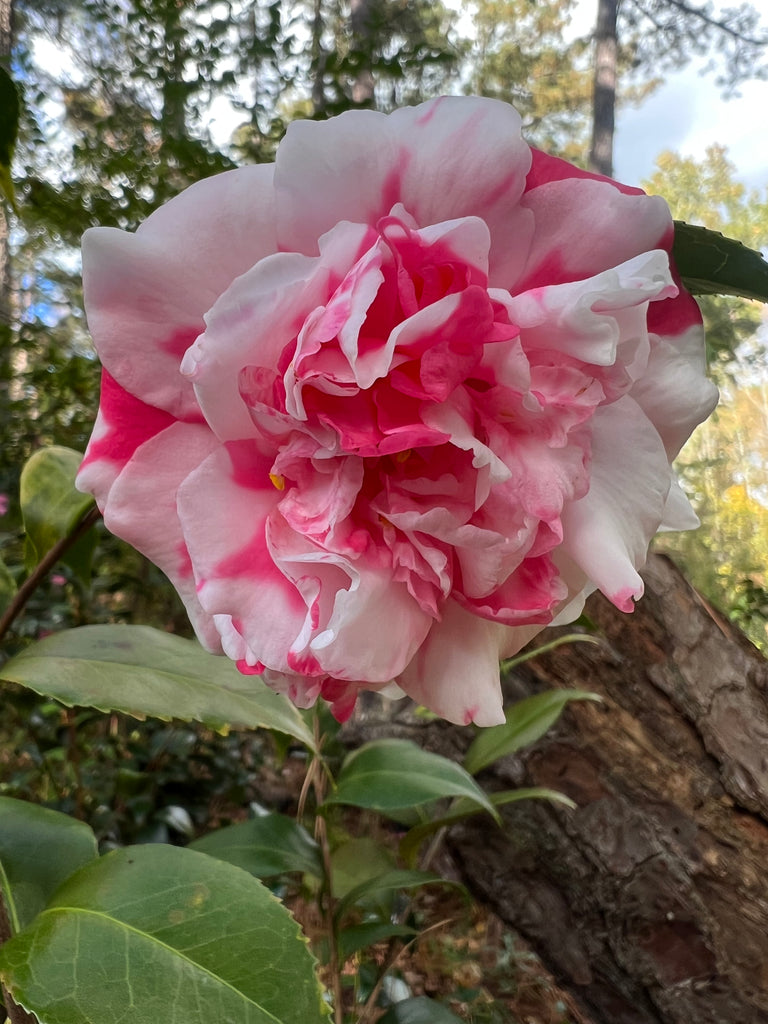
{"x": 688, "y": 114}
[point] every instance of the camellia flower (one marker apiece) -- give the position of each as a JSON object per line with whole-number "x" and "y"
{"x": 386, "y": 408}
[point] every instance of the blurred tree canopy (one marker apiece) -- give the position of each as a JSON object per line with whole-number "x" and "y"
{"x": 724, "y": 467}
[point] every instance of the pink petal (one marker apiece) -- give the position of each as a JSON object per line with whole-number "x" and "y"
{"x": 141, "y": 509}
{"x": 588, "y": 319}
{"x": 607, "y": 532}
{"x": 586, "y": 226}
{"x": 367, "y": 624}
{"x": 122, "y": 425}
{"x": 449, "y": 158}
{"x": 455, "y": 672}
{"x": 546, "y": 168}
{"x": 146, "y": 293}
{"x": 529, "y": 596}
{"x": 678, "y": 513}
{"x": 676, "y": 368}
{"x": 223, "y": 506}
{"x": 324, "y": 494}
{"x": 256, "y": 318}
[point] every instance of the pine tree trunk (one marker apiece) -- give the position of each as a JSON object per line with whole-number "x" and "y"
{"x": 604, "y": 89}
{"x": 6, "y": 29}
{"x": 649, "y": 903}
{"x": 361, "y": 19}
{"x": 318, "y": 60}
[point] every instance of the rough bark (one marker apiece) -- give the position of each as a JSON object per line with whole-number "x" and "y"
{"x": 604, "y": 89}
{"x": 649, "y": 903}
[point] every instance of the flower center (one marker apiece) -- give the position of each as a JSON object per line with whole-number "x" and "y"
{"x": 407, "y": 422}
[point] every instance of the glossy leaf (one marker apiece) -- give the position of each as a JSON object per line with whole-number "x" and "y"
{"x": 387, "y": 884}
{"x": 143, "y": 671}
{"x": 39, "y": 849}
{"x": 270, "y": 844}
{"x": 362, "y": 936}
{"x": 462, "y": 809}
{"x": 712, "y": 264}
{"x": 390, "y": 775}
{"x": 51, "y": 507}
{"x": 559, "y": 641}
{"x": 419, "y": 1010}
{"x": 527, "y": 721}
{"x": 358, "y": 860}
{"x": 163, "y": 934}
{"x": 8, "y": 586}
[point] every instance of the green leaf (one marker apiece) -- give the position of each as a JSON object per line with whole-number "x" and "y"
{"x": 9, "y": 130}
{"x": 361, "y": 936}
{"x": 526, "y": 722}
{"x": 39, "y": 849}
{"x": 51, "y": 507}
{"x": 143, "y": 671}
{"x": 712, "y": 264}
{"x": 559, "y": 641}
{"x": 8, "y": 586}
{"x": 462, "y": 809}
{"x": 158, "y": 933}
{"x": 419, "y": 1010}
{"x": 357, "y": 861}
{"x": 270, "y": 844}
{"x": 387, "y": 884}
{"x": 390, "y": 775}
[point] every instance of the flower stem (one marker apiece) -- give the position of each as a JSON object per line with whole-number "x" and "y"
{"x": 319, "y": 785}
{"x": 43, "y": 567}
{"x": 16, "y": 1014}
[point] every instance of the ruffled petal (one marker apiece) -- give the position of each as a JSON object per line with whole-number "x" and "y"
{"x": 366, "y": 625}
{"x": 253, "y": 321}
{"x": 676, "y": 368}
{"x": 223, "y": 507}
{"x": 123, "y": 424}
{"x": 455, "y": 672}
{"x": 146, "y": 293}
{"x": 588, "y": 319}
{"x": 141, "y": 508}
{"x": 448, "y": 158}
{"x": 584, "y": 226}
{"x": 608, "y": 531}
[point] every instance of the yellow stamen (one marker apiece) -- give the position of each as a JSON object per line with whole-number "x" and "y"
{"x": 402, "y": 456}
{"x": 278, "y": 481}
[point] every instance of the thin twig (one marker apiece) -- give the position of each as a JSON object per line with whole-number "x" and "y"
{"x": 43, "y": 567}
{"x": 395, "y": 955}
{"x": 319, "y": 783}
{"x": 16, "y": 1014}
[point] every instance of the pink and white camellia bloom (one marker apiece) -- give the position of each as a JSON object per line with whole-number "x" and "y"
{"x": 385, "y": 409}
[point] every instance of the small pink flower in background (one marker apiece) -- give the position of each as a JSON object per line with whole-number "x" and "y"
{"x": 4, "y": 504}
{"x": 384, "y": 410}
{"x": 58, "y": 580}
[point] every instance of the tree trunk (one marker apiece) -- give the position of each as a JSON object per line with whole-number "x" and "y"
{"x": 649, "y": 903}
{"x": 6, "y": 336}
{"x": 361, "y": 26}
{"x": 604, "y": 90}
{"x": 318, "y": 60}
